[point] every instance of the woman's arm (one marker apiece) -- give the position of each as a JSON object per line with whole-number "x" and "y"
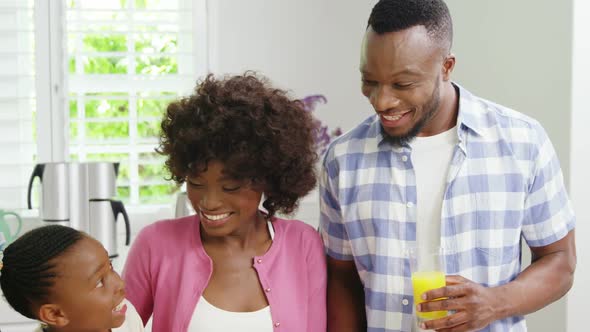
{"x": 317, "y": 276}
{"x": 137, "y": 276}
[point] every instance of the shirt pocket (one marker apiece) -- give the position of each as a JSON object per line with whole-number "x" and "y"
{"x": 498, "y": 227}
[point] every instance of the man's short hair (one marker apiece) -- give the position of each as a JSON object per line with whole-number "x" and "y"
{"x": 396, "y": 15}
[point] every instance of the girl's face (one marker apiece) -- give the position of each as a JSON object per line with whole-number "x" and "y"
{"x": 87, "y": 290}
{"x": 225, "y": 206}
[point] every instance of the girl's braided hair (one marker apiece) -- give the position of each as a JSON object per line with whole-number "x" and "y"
{"x": 28, "y": 270}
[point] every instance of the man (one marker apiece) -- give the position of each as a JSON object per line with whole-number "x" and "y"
{"x": 437, "y": 167}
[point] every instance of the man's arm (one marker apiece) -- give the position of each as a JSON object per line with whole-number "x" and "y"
{"x": 346, "y": 297}
{"x": 546, "y": 280}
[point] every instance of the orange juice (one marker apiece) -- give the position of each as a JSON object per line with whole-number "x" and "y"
{"x": 425, "y": 281}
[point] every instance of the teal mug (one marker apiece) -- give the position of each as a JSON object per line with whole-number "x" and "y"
{"x": 6, "y": 235}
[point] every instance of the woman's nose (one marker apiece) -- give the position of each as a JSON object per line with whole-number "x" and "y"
{"x": 210, "y": 201}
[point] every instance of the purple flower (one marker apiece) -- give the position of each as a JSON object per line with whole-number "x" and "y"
{"x": 322, "y": 136}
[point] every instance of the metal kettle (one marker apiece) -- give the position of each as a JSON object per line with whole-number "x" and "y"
{"x": 55, "y": 191}
{"x": 103, "y": 217}
{"x": 90, "y": 180}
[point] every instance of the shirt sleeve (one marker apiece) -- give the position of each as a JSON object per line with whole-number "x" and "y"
{"x": 548, "y": 214}
{"x": 137, "y": 276}
{"x": 332, "y": 227}
{"x": 318, "y": 277}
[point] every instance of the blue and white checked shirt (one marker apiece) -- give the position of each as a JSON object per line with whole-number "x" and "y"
{"x": 504, "y": 182}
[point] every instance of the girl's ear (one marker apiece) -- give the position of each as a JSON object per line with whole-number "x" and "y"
{"x": 52, "y": 314}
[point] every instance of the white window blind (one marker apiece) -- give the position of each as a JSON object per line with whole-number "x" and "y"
{"x": 126, "y": 60}
{"x": 17, "y": 100}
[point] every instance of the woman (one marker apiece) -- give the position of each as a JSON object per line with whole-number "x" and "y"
{"x": 233, "y": 266}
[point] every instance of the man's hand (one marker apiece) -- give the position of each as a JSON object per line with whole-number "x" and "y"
{"x": 475, "y": 306}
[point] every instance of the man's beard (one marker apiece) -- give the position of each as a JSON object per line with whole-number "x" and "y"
{"x": 430, "y": 109}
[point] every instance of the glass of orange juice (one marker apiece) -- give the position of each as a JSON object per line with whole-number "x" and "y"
{"x": 428, "y": 272}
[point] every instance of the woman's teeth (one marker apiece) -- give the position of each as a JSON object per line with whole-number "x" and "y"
{"x": 216, "y": 217}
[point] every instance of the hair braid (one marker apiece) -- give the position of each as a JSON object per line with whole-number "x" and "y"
{"x": 28, "y": 271}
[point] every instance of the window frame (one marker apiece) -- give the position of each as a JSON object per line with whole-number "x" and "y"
{"x": 52, "y": 98}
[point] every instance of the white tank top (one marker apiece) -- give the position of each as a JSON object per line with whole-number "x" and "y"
{"x": 209, "y": 318}
{"x": 431, "y": 157}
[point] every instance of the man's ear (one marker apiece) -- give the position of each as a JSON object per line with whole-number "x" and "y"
{"x": 448, "y": 66}
{"x": 52, "y": 314}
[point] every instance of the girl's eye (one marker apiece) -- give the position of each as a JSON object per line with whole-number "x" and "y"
{"x": 99, "y": 284}
{"x": 231, "y": 188}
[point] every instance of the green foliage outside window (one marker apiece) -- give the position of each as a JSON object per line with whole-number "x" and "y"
{"x": 104, "y": 117}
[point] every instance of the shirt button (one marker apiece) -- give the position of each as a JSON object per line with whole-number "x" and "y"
{"x": 267, "y": 290}
{"x": 277, "y": 324}
{"x": 410, "y": 204}
{"x": 404, "y": 158}
{"x": 405, "y": 302}
{"x": 259, "y": 261}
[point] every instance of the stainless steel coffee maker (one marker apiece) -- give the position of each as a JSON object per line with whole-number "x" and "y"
{"x": 101, "y": 207}
{"x": 103, "y": 218}
{"x": 55, "y": 192}
{"x": 82, "y": 191}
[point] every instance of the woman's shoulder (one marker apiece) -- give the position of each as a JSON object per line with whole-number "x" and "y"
{"x": 169, "y": 227}
{"x": 297, "y": 232}
{"x": 293, "y": 225}
{"x": 173, "y": 229}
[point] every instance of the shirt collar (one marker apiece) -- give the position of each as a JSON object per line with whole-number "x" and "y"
{"x": 466, "y": 119}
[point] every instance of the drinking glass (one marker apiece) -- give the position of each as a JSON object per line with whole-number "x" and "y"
{"x": 427, "y": 268}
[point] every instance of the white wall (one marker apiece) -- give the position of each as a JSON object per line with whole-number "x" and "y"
{"x": 307, "y": 46}
{"x": 580, "y": 164}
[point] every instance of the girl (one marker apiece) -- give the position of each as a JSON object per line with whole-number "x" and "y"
{"x": 233, "y": 266}
{"x": 64, "y": 278}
